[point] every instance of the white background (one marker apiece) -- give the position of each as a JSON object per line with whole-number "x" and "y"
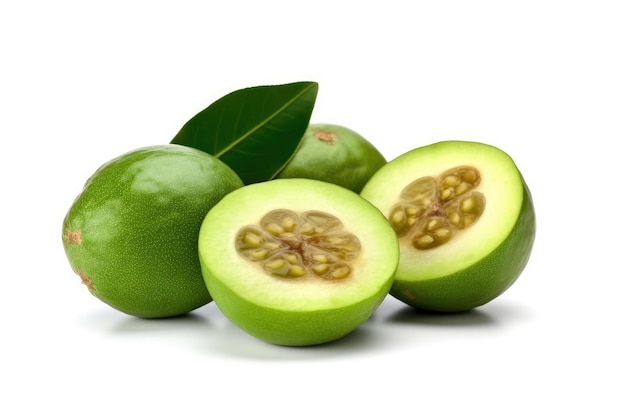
{"x": 82, "y": 82}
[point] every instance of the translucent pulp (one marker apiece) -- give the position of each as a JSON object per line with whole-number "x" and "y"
{"x": 292, "y": 245}
{"x": 432, "y": 210}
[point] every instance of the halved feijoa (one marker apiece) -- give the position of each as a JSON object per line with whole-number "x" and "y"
{"x": 465, "y": 222}
{"x": 131, "y": 235}
{"x": 297, "y": 261}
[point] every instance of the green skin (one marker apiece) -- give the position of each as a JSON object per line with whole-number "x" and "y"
{"x": 131, "y": 234}
{"x": 334, "y": 154}
{"x": 310, "y": 313}
{"x": 481, "y": 282}
{"x": 290, "y": 328}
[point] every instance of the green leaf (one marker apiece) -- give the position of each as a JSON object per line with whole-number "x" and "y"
{"x": 254, "y": 130}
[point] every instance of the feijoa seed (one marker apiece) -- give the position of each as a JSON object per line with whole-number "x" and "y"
{"x": 432, "y": 210}
{"x": 299, "y": 245}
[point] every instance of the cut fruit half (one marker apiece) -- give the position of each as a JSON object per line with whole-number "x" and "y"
{"x": 296, "y": 261}
{"x": 465, "y": 221}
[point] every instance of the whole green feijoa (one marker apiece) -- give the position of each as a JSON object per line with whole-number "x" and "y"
{"x": 334, "y": 154}
{"x": 465, "y": 221}
{"x": 131, "y": 234}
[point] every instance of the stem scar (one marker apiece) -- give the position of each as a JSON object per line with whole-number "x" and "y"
{"x": 326, "y": 136}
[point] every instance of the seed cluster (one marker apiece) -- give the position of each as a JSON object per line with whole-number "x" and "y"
{"x": 432, "y": 210}
{"x": 292, "y": 245}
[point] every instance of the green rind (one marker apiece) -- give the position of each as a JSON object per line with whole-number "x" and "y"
{"x": 293, "y": 328}
{"x": 481, "y": 282}
{"x": 290, "y": 312}
{"x": 485, "y": 259}
{"x": 500, "y": 180}
{"x": 349, "y": 161}
{"x": 139, "y": 216}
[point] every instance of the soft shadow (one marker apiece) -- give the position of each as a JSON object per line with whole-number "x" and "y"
{"x": 234, "y": 342}
{"x": 206, "y": 331}
{"x": 488, "y": 315}
{"x": 394, "y": 326}
{"x": 186, "y": 332}
{"x": 131, "y": 325}
{"x": 361, "y": 339}
{"x": 410, "y": 315}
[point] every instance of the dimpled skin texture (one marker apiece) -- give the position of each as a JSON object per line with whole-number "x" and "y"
{"x": 334, "y": 154}
{"x": 131, "y": 234}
